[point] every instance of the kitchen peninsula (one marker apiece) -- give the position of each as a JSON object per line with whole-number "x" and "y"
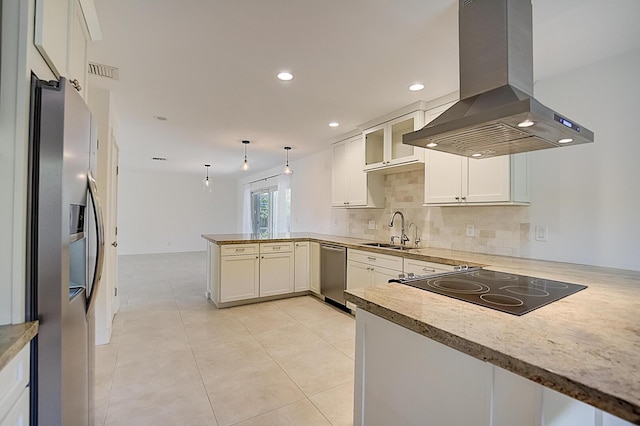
{"x": 584, "y": 347}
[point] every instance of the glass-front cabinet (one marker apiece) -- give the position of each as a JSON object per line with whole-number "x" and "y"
{"x": 383, "y": 143}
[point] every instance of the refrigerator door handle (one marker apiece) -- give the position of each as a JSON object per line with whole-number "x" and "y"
{"x": 97, "y": 209}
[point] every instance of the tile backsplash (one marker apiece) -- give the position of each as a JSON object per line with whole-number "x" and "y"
{"x": 502, "y": 230}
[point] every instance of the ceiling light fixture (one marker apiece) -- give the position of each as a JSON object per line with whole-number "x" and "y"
{"x": 245, "y": 165}
{"x": 287, "y": 170}
{"x": 566, "y": 140}
{"x": 431, "y": 145}
{"x": 416, "y": 87}
{"x": 206, "y": 183}
{"x": 334, "y": 124}
{"x": 526, "y": 123}
{"x": 476, "y": 155}
{"x": 285, "y": 76}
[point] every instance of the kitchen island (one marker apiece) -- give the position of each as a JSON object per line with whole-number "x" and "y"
{"x": 585, "y": 346}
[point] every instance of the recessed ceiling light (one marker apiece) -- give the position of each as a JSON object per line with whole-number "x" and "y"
{"x": 334, "y": 124}
{"x": 526, "y": 123}
{"x": 431, "y": 144}
{"x": 476, "y": 155}
{"x": 566, "y": 140}
{"x": 285, "y": 76}
{"x": 415, "y": 87}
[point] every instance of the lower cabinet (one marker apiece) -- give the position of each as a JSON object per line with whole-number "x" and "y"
{"x": 277, "y": 269}
{"x": 14, "y": 390}
{"x": 239, "y": 277}
{"x": 314, "y": 267}
{"x": 302, "y": 274}
{"x": 402, "y": 377}
{"x": 365, "y": 269}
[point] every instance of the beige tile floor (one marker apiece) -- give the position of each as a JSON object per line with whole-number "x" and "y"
{"x": 175, "y": 359}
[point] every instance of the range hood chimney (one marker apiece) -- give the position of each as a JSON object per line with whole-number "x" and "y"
{"x": 497, "y": 114}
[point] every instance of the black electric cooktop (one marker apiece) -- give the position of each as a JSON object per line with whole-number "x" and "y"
{"x": 510, "y": 293}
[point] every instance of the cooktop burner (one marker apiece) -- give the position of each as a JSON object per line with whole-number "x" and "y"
{"x": 511, "y": 293}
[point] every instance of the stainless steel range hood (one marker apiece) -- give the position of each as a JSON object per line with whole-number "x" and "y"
{"x": 497, "y": 114}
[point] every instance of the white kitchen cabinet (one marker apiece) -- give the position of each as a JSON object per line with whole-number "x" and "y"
{"x": 421, "y": 267}
{"x": 61, "y": 35}
{"x": 350, "y": 185}
{"x": 14, "y": 391}
{"x": 314, "y": 267}
{"x": 384, "y": 150}
{"x": 456, "y": 180}
{"x": 301, "y": 270}
{"x": 239, "y": 272}
{"x": 365, "y": 269}
{"x": 277, "y": 269}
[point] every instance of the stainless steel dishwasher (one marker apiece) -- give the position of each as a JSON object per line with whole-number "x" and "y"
{"x": 333, "y": 272}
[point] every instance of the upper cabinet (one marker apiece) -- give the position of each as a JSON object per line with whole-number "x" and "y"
{"x": 455, "y": 180}
{"x": 63, "y": 29}
{"x": 383, "y": 145}
{"x": 350, "y": 185}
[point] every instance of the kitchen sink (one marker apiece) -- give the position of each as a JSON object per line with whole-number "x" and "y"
{"x": 388, "y": 246}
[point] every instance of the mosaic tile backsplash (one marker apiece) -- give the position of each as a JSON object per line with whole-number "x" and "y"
{"x": 502, "y": 230}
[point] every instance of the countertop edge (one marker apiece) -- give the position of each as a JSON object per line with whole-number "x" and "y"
{"x": 13, "y": 338}
{"x": 549, "y": 379}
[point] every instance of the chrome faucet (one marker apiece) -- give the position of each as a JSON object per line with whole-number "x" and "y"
{"x": 416, "y": 241}
{"x": 403, "y": 237}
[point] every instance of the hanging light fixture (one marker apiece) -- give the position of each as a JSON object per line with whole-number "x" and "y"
{"x": 245, "y": 165}
{"x": 287, "y": 170}
{"x": 207, "y": 184}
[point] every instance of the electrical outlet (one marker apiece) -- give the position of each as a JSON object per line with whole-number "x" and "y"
{"x": 471, "y": 230}
{"x": 372, "y": 224}
{"x": 541, "y": 233}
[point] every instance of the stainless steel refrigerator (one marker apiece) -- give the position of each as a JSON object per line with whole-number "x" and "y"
{"x": 65, "y": 252}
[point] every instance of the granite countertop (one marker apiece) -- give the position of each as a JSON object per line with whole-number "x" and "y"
{"x": 586, "y": 346}
{"x": 13, "y": 338}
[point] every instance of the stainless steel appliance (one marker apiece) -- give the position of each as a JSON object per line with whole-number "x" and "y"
{"x": 510, "y": 293}
{"x": 333, "y": 272}
{"x": 497, "y": 113}
{"x": 65, "y": 253}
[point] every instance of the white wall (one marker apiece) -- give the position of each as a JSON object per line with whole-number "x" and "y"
{"x": 588, "y": 195}
{"x": 167, "y": 212}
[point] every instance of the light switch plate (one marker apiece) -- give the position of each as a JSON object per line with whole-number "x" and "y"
{"x": 470, "y": 230}
{"x": 541, "y": 233}
{"x": 372, "y": 224}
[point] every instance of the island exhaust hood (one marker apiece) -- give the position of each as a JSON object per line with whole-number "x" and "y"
{"x": 497, "y": 114}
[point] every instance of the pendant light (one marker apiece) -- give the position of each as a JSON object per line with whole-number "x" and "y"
{"x": 207, "y": 185}
{"x": 245, "y": 165}
{"x": 287, "y": 170}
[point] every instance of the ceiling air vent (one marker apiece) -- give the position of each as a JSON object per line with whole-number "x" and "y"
{"x": 105, "y": 71}
{"x": 159, "y": 158}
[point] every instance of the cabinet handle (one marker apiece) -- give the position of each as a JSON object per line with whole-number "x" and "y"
{"x": 428, "y": 270}
{"x": 276, "y": 247}
{"x": 464, "y": 198}
{"x": 239, "y": 250}
{"x": 457, "y": 198}
{"x": 371, "y": 258}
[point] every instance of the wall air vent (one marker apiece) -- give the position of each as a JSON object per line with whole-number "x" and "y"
{"x": 159, "y": 158}
{"x": 105, "y": 71}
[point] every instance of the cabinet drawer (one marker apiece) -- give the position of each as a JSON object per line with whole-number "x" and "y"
{"x": 421, "y": 267}
{"x": 238, "y": 249}
{"x": 276, "y": 247}
{"x": 383, "y": 260}
{"x": 14, "y": 377}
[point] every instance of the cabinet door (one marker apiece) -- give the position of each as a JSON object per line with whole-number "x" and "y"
{"x": 443, "y": 177}
{"x": 239, "y": 277}
{"x": 383, "y": 275}
{"x": 374, "y": 147}
{"x": 314, "y": 267}
{"x": 301, "y": 270}
{"x": 397, "y": 152}
{"x": 357, "y": 188}
{"x": 487, "y": 180}
{"x": 340, "y": 175}
{"x": 77, "y": 58}
{"x": 358, "y": 275}
{"x": 51, "y": 33}
{"x": 276, "y": 274}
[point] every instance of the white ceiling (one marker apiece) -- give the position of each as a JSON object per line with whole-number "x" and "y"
{"x": 209, "y": 66}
